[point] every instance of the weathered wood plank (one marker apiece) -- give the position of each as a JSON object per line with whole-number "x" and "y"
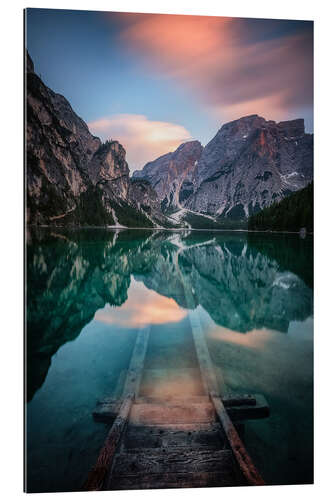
{"x": 174, "y": 480}
{"x": 166, "y": 461}
{"x": 239, "y": 407}
{"x": 173, "y": 400}
{"x": 140, "y": 437}
{"x": 244, "y": 411}
{"x": 239, "y": 400}
{"x": 229, "y": 400}
{"x": 98, "y": 473}
{"x": 205, "y": 363}
{"x": 170, "y": 383}
{"x": 172, "y": 414}
{"x": 120, "y": 384}
{"x": 135, "y": 369}
{"x": 243, "y": 459}
{"x": 104, "y": 412}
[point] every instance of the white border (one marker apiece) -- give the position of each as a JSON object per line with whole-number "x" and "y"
{"x": 12, "y": 248}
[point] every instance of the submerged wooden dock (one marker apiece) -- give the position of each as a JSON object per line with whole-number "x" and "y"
{"x": 176, "y": 434}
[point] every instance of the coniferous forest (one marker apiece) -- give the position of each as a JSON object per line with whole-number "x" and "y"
{"x": 291, "y": 214}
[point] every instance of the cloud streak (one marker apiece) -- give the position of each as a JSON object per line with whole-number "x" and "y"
{"x": 234, "y": 68}
{"x": 143, "y": 139}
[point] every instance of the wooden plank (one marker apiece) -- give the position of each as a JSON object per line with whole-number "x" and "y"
{"x": 120, "y": 384}
{"x": 135, "y": 369}
{"x": 173, "y": 400}
{"x": 239, "y": 400}
{"x": 162, "y": 461}
{"x": 229, "y": 400}
{"x": 98, "y": 473}
{"x": 172, "y": 414}
{"x": 243, "y": 459}
{"x": 166, "y": 383}
{"x": 205, "y": 363}
{"x": 190, "y": 437}
{"x": 225, "y": 478}
{"x": 239, "y": 407}
{"x": 104, "y": 412}
{"x": 250, "y": 411}
{"x": 194, "y": 426}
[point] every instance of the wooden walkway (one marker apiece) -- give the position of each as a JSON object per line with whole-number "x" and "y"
{"x": 182, "y": 438}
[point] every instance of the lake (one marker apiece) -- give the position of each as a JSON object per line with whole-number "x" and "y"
{"x": 90, "y": 290}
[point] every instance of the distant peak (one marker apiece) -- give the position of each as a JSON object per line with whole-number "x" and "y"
{"x": 290, "y": 127}
{"x": 189, "y": 145}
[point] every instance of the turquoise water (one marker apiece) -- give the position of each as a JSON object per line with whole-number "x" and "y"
{"x": 88, "y": 292}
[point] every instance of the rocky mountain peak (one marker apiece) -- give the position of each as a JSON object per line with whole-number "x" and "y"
{"x": 108, "y": 167}
{"x": 250, "y": 163}
{"x": 189, "y": 147}
{"x": 167, "y": 173}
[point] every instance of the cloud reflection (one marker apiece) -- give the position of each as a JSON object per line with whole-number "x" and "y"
{"x": 143, "y": 307}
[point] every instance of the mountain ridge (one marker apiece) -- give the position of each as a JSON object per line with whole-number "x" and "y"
{"x": 249, "y": 164}
{"x": 75, "y": 179}
{"x": 72, "y": 177}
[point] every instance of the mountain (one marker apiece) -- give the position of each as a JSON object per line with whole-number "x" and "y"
{"x": 167, "y": 173}
{"x": 291, "y": 214}
{"x": 248, "y": 165}
{"x": 75, "y": 179}
{"x": 72, "y": 177}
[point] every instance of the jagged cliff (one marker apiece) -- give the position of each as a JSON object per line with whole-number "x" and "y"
{"x": 72, "y": 178}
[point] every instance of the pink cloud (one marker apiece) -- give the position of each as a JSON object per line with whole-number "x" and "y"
{"x": 143, "y": 139}
{"x": 233, "y": 72}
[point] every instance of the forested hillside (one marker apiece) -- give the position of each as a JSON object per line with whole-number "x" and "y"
{"x": 290, "y": 214}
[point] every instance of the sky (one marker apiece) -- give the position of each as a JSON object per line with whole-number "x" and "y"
{"x": 153, "y": 81}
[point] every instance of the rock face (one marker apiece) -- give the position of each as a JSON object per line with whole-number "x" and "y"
{"x": 167, "y": 173}
{"x": 109, "y": 170}
{"x": 249, "y": 164}
{"x": 72, "y": 178}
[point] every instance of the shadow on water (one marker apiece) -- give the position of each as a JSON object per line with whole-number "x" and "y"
{"x": 242, "y": 282}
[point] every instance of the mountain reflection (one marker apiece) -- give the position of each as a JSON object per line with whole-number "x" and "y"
{"x": 244, "y": 282}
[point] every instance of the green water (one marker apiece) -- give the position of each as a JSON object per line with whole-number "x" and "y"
{"x": 88, "y": 292}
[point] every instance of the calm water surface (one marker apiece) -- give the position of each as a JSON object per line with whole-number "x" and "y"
{"x": 88, "y": 292}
